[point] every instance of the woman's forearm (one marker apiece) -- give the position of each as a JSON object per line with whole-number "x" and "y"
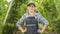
{"x": 20, "y": 28}
{"x": 44, "y": 27}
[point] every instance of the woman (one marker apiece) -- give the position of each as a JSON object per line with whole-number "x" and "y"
{"x": 31, "y": 7}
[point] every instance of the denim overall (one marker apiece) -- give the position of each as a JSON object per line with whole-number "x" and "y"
{"x": 31, "y": 25}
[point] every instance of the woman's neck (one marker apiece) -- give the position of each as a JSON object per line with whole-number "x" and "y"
{"x": 31, "y": 13}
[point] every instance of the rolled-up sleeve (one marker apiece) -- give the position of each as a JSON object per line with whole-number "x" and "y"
{"x": 41, "y": 18}
{"x": 20, "y": 21}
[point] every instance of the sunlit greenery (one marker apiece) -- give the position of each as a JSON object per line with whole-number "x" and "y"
{"x": 50, "y": 9}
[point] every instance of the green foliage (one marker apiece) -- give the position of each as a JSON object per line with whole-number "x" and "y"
{"x": 3, "y": 9}
{"x": 50, "y": 9}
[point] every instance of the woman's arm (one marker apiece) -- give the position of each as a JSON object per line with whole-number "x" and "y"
{"x": 41, "y": 18}
{"x": 43, "y": 29}
{"x": 20, "y": 22}
{"x": 22, "y": 30}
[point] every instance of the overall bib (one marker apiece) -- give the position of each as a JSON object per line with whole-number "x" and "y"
{"x": 31, "y": 25}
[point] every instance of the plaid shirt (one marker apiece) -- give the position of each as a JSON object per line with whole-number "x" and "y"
{"x": 37, "y": 15}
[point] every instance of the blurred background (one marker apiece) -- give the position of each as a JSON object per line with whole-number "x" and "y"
{"x": 12, "y": 10}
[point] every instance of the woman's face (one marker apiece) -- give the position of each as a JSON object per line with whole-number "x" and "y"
{"x": 31, "y": 8}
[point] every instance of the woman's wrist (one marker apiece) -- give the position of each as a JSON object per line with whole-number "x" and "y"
{"x": 40, "y": 31}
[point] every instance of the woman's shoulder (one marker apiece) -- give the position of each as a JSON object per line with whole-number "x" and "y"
{"x": 37, "y": 13}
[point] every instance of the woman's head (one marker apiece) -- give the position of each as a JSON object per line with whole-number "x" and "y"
{"x": 31, "y": 6}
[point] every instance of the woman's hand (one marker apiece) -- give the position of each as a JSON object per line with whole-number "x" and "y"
{"x": 40, "y": 31}
{"x": 24, "y": 30}
{"x": 43, "y": 29}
